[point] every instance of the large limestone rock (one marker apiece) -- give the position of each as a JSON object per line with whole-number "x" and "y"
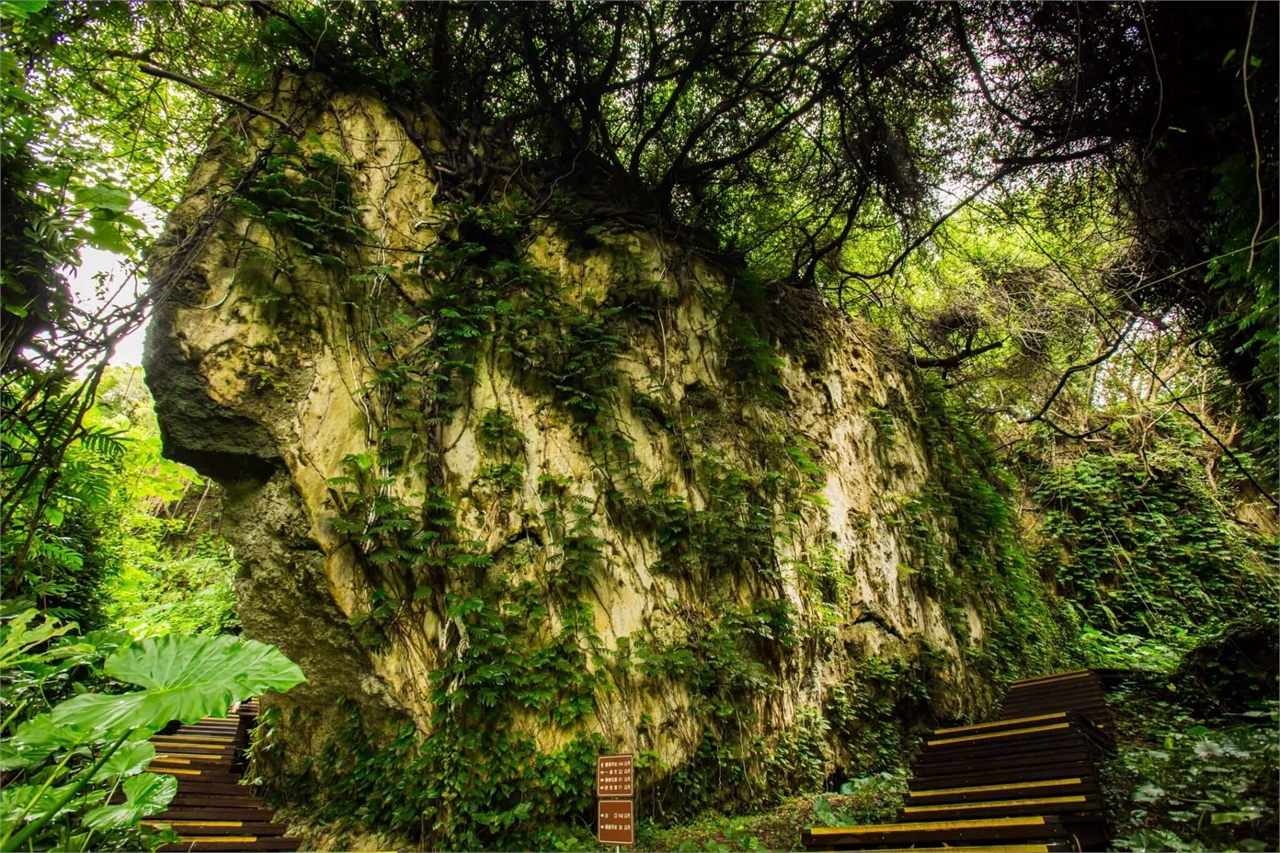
{"x": 759, "y": 419}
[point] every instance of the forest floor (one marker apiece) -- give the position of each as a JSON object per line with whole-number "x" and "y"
{"x": 777, "y": 829}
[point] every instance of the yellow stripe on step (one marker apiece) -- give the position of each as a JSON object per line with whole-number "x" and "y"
{"x": 978, "y": 789}
{"x": 1011, "y": 733}
{"x": 171, "y": 759}
{"x": 928, "y": 826}
{"x": 229, "y": 824}
{"x": 1050, "y": 679}
{"x": 1008, "y": 848}
{"x": 978, "y": 726}
{"x": 1038, "y": 678}
{"x": 173, "y": 770}
{"x": 208, "y": 739}
{"x": 1042, "y": 801}
{"x": 217, "y": 839}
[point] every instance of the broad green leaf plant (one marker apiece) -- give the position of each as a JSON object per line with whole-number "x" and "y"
{"x": 69, "y": 763}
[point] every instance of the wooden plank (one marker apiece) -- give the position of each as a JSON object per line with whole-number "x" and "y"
{"x": 1077, "y": 702}
{"x": 192, "y": 758}
{"x": 193, "y": 828}
{"x": 249, "y": 815}
{"x": 1040, "y": 679}
{"x": 1009, "y": 751}
{"x": 1049, "y": 704}
{"x": 196, "y": 845}
{"x": 1056, "y": 847}
{"x": 1093, "y": 693}
{"x": 1029, "y": 829}
{"x": 1007, "y": 737}
{"x": 1010, "y": 733}
{"x": 214, "y": 801}
{"x": 1071, "y": 804}
{"x": 983, "y": 793}
{"x": 998, "y": 774}
{"x": 202, "y": 737}
{"x": 980, "y": 769}
{"x": 1057, "y": 678}
{"x": 1012, "y": 723}
{"x": 195, "y": 786}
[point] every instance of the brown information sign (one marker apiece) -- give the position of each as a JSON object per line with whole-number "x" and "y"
{"x": 614, "y": 777}
{"x": 615, "y": 821}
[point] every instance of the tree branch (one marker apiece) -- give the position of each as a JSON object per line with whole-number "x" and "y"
{"x": 953, "y": 361}
{"x": 163, "y": 74}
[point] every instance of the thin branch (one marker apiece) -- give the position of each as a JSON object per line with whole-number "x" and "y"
{"x": 1076, "y": 368}
{"x": 952, "y": 361}
{"x": 1253, "y": 128}
{"x": 163, "y": 74}
{"x": 1142, "y": 361}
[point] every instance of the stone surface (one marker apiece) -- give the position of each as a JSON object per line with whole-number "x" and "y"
{"x": 270, "y": 400}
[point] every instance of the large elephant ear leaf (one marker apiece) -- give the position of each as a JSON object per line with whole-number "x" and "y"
{"x": 246, "y": 667}
{"x": 37, "y": 739}
{"x": 186, "y": 678}
{"x": 129, "y": 760}
{"x": 145, "y": 795}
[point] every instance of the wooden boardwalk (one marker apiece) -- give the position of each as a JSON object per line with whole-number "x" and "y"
{"x": 212, "y": 810}
{"x": 1020, "y": 784}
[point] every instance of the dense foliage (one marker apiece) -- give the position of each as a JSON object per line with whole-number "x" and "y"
{"x": 1064, "y": 215}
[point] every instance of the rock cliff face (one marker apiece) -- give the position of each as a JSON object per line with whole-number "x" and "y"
{"x": 567, "y": 476}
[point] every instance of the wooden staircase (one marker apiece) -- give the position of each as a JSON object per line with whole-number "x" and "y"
{"x": 1020, "y": 784}
{"x": 212, "y": 810}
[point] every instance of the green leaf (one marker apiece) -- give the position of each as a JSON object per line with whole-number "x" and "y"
{"x": 145, "y": 795}
{"x": 17, "y": 640}
{"x": 103, "y": 196}
{"x": 1219, "y": 818}
{"x": 37, "y": 739}
{"x": 1148, "y": 793}
{"x": 129, "y": 760}
{"x": 14, "y": 799}
{"x": 187, "y": 678}
{"x": 20, "y": 9}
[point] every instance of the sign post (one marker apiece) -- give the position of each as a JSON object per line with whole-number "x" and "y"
{"x": 615, "y": 811}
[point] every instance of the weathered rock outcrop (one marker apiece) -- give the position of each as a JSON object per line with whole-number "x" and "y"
{"x": 690, "y": 504}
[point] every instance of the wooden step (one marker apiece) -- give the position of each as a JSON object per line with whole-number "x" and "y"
{"x": 1033, "y": 805}
{"x": 1016, "y": 722}
{"x": 220, "y": 801}
{"x": 1053, "y": 676}
{"x": 999, "y": 752}
{"x": 197, "y": 843}
{"x": 199, "y": 741}
{"x": 988, "y": 737}
{"x": 211, "y": 758}
{"x": 1083, "y": 705}
{"x": 983, "y": 793}
{"x": 250, "y": 815}
{"x": 950, "y": 765}
{"x": 1030, "y": 828}
{"x": 989, "y": 775}
{"x": 1055, "y": 847}
{"x": 217, "y": 826}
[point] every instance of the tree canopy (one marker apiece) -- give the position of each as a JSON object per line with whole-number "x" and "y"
{"x": 826, "y": 145}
